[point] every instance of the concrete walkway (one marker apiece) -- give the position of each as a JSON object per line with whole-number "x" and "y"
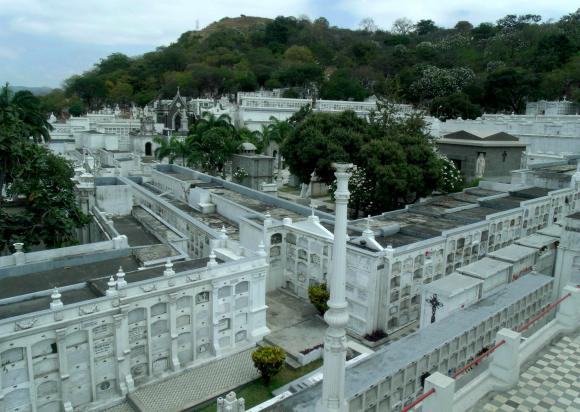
{"x": 196, "y": 385}
{"x": 550, "y": 384}
{"x": 294, "y": 323}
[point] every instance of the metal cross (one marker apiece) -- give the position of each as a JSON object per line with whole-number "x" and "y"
{"x": 435, "y": 304}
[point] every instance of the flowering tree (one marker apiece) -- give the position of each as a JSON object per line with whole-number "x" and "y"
{"x": 435, "y": 81}
{"x": 360, "y": 187}
{"x": 450, "y": 179}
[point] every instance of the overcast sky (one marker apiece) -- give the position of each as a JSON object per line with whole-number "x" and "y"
{"x": 42, "y": 42}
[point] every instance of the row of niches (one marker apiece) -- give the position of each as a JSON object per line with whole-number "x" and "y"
{"x": 406, "y": 384}
{"x": 425, "y": 258}
{"x": 46, "y": 377}
{"x": 404, "y": 318}
{"x": 313, "y": 245}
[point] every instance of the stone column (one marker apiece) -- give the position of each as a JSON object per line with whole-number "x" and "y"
{"x": 505, "y": 363}
{"x": 123, "y": 351}
{"x": 568, "y": 313}
{"x": 230, "y": 403}
{"x": 63, "y": 370}
{"x": 442, "y": 399}
{"x": 214, "y": 319}
{"x": 173, "y": 330}
{"x": 19, "y": 256}
{"x": 337, "y": 316}
{"x": 257, "y": 328}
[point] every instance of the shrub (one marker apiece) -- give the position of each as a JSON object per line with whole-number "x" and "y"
{"x": 319, "y": 295}
{"x": 376, "y": 335}
{"x": 268, "y": 360}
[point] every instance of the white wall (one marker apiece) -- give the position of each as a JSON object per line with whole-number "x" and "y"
{"x": 115, "y": 199}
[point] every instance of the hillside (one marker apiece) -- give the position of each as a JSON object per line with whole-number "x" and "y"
{"x": 38, "y": 91}
{"x": 456, "y": 71}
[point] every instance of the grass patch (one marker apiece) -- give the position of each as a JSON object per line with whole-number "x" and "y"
{"x": 288, "y": 189}
{"x": 255, "y": 392}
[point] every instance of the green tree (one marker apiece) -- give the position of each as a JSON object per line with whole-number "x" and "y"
{"x": 423, "y": 27}
{"x": 43, "y": 188}
{"x": 54, "y": 102}
{"x": 483, "y": 31}
{"x": 319, "y": 296}
{"x": 114, "y": 62}
{"x": 463, "y": 26}
{"x": 320, "y": 139}
{"x": 298, "y": 54}
{"x": 21, "y": 118}
{"x": 90, "y": 87}
{"x": 553, "y": 50}
{"x": 400, "y": 160}
{"x": 454, "y": 106}
{"x": 171, "y": 148}
{"x": 509, "y": 89}
{"x": 342, "y": 85}
{"x": 212, "y": 142}
{"x": 269, "y": 360}
{"x": 28, "y": 109}
{"x": 121, "y": 93}
{"x": 77, "y": 107}
{"x": 300, "y": 74}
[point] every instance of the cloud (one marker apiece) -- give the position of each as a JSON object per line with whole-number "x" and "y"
{"x": 9, "y": 53}
{"x": 114, "y": 22}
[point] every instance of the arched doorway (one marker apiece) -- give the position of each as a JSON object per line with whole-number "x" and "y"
{"x": 177, "y": 122}
{"x": 148, "y": 151}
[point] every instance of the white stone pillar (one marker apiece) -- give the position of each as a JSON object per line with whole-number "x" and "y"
{"x": 505, "y": 362}
{"x": 442, "y": 399}
{"x": 568, "y": 313}
{"x": 112, "y": 287}
{"x": 257, "y": 327}
{"x": 65, "y": 383}
{"x": 337, "y": 316}
{"x": 212, "y": 259}
{"x": 19, "y": 256}
{"x": 169, "y": 273}
{"x": 123, "y": 351}
{"x": 173, "y": 331}
{"x": 230, "y": 403}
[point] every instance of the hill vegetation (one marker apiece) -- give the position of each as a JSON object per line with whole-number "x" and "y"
{"x": 462, "y": 70}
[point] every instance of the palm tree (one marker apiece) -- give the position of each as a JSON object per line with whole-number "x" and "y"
{"x": 209, "y": 121}
{"x": 28, "y": 108}
{"x": 171, "y": 149}
{"x": 211, "y": 142}
{"x": 279, "y": 130}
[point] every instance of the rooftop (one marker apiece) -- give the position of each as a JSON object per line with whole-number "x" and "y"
{"x": 417, "y": 222}
{"x": 398, "y": 355}
{"x": 536, "y": 241}
{"x": 474, "y": 135}
{"x": 136, "y": 233}
{"x": 89, "y": 280}
{"x": 513, "y": 253}
{"x": 452, "y": 285}
{"x": 484, "y": 268}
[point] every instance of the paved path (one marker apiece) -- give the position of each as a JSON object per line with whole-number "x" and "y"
{"x": 122, "y": 407}
{"x": 550, "y": 384}
{"x": 196, "y": 385}
{"x": 293, "y": 323}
